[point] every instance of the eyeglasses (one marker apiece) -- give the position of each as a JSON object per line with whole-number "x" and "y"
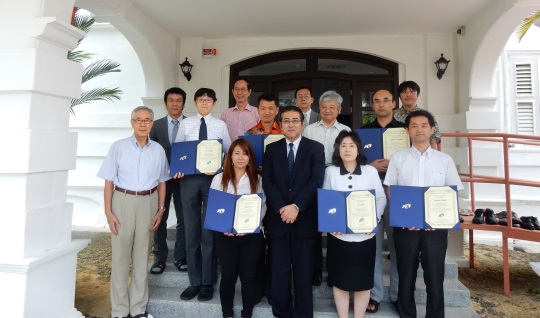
{"x": 204, "y": 100}
{"x": 384, "y": 101}
{"x": 139, "y": 121}
{"x": 328, "y": 108}
{"x": 303, "y": 96}
{"x": 243, "y": 89}
{"x": 294, "y": 121}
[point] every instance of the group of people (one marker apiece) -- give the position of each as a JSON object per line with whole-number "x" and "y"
{"x": 316, "y": 152}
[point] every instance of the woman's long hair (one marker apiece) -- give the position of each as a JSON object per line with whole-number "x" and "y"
{"x": 228, "y": 169}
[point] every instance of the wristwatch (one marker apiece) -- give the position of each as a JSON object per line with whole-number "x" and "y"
{"x": 161, "y": 208}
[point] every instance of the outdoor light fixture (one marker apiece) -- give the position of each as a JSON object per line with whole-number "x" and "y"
{"x": 186, "y": 69}
{"x": 441, "y": 64}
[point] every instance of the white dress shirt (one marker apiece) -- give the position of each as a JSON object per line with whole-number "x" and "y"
{"x": 326, "y": 136}
{"x": 216, "y": 129}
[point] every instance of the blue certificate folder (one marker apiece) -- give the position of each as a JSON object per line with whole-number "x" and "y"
{"x": 184, "y": 157}
{"x": 372, "y": 142}
{"x": 220, "y": 211}
{"x": 407, "y": 207}
{"x": 332, "y": 210}
{"x": 257, "y": 142}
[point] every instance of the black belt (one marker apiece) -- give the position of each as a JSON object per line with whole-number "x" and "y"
{"x": 145, "y": 192}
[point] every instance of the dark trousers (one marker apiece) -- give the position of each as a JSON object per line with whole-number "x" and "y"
{"x": 290, "y": 250}
{"x": 199, "y": 241}
{"x": 238, "y": 255}
{"x": 432, "y": 245}
{"x": 161, "y": 250}
{"x": 317, "y": 254}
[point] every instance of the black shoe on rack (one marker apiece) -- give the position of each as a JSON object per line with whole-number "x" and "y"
{"x": 489, "y": 217}
{"x": 478, "y": 216}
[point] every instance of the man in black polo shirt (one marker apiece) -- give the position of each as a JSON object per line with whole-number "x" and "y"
{"x": 383, "y": 104}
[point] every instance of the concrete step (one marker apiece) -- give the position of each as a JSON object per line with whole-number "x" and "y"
{"x": 456, "y": 294}
{"x": 165, "y": 303}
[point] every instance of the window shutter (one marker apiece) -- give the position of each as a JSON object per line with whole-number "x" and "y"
{"x": 524, "y": 79}
{"x": 525, "y": 118}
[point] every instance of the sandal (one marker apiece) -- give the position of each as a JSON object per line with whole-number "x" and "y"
{"x": 375, "y": 305}
{"x": 158, "y": 267}
{"x": 181, "y": 265}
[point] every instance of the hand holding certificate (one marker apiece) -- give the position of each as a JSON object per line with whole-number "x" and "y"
{"x": 383, "y": 142}
{"x": 424, "y": 207}
{"x": 347, "y": 212}
{"x": 196, "y": 157}
{"x": 229, "y": 213}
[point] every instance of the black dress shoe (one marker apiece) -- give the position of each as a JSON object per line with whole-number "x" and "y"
{"x": 489, "y": 217}
{"x": 190, "y": 292}
{"x": 526, "y": 223}
{"x": 478, "y": 216}
{"x": 535, "y": 222}
{"x": 207, "y": 292}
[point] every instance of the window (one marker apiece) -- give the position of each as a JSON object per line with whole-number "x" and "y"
{"x": 524, "y": 95}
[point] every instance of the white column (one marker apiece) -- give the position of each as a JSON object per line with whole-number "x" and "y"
{"x": 38, "y": 258}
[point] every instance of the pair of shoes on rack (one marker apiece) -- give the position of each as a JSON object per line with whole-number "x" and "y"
{"x": 504, "y": 221}
{"x": 529, "y": 223}
{"x": 486, "y": 216}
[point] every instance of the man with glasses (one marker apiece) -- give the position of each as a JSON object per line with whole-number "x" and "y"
{"x": 408, "y": 94}
{"x": 304, "y": 98}
{"x": 135, "y": 171}
{"x": 242, "y": 116}
{"x": 383, "y": 104}
{"x": 293, "y": 170}
{"x": 325, "y": 131}
{"x": 164, "y": 132}
{"x": 194, "y": 190}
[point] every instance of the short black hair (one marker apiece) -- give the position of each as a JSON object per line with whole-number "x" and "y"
{"x": 303, "y": 87}
{"x": 174, "y": 90}
{"x": 292, "y": 109}
{"x": 336, "y": 158}
{"x": 268, "y": 98}
{"x": 205, "y": 91}
{"x": 408, "y": 84}
{"x": 420, "y": 113}
{"x": 242, "y": 79}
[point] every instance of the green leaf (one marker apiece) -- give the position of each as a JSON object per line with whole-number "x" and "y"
{"x": 79, "y": 56}
{"x": 526, "y": 24}
{"x": 95, "y": 94}
{"x": 99, "y": 68}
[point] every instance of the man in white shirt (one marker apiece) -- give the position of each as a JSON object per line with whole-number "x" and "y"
{"x": 324, "y": 131}
{"x": 421, "y": 166}
{"x": 304, "y": 98}
{"x": 194, "y": 191}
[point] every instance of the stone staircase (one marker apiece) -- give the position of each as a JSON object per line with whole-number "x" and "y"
{"x": 165, "y": 292}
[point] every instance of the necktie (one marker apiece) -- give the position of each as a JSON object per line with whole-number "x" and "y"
{"x": 174, "y": 130}
{"x": 290, "y": 162}
{"x": 203, "y": 134}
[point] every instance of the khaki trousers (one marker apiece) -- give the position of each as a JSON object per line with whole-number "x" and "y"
{"x": 135, "y": 214}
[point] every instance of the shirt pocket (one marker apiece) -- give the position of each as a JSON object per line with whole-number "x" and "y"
{"x": 437, "y": 179}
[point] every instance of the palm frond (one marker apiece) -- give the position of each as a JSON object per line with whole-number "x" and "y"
{"x": 95, "y": 94}
{"x": 83, "y": 22}
{"x": 79, "y": 56}
{"x": 99, "y": 68}
{"x": 526, "y": 24}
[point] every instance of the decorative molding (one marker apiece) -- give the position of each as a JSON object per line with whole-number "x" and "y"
{"x": 58, "y": 33}
{"x": 27, "y": 265}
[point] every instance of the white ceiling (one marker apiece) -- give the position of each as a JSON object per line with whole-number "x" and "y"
{"x": 215, "y": 19}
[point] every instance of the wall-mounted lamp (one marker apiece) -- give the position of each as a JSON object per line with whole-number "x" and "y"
{"x": 441, "y": 64}
{"x": 186, "y": 69}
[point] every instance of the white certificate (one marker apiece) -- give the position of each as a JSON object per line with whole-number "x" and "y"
{"x": 209, "y": 154}
{"x": 272, "y": 138}
{"x": 395, "y": 139}
{"x": 361, "y": 212}
{"x": 247, "y": 215}
{"x": 441, "y": 207}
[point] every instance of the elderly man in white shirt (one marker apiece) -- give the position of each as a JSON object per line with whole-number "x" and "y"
{"x": 421, "y": 166}
{"x": 325, "y": 131}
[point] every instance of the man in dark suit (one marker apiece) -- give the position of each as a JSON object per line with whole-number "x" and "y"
{"x": 293, "y": 169}
{"x": 304, "y": 98}
{"x": 164, "y": 132}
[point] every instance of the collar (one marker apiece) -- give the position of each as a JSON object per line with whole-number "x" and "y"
{"x": 248, "y": 108}
{"x": 296, "y": 143}
{"x": 199, "y": 116}
{"x": 308, "y": 112}
{"x": 170, "y": 119}
{"x": 428, "y": 152}
{"x": 343, "y": 171}
{"x": 134, "y": 141}
{"x": 410, "y": 111}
